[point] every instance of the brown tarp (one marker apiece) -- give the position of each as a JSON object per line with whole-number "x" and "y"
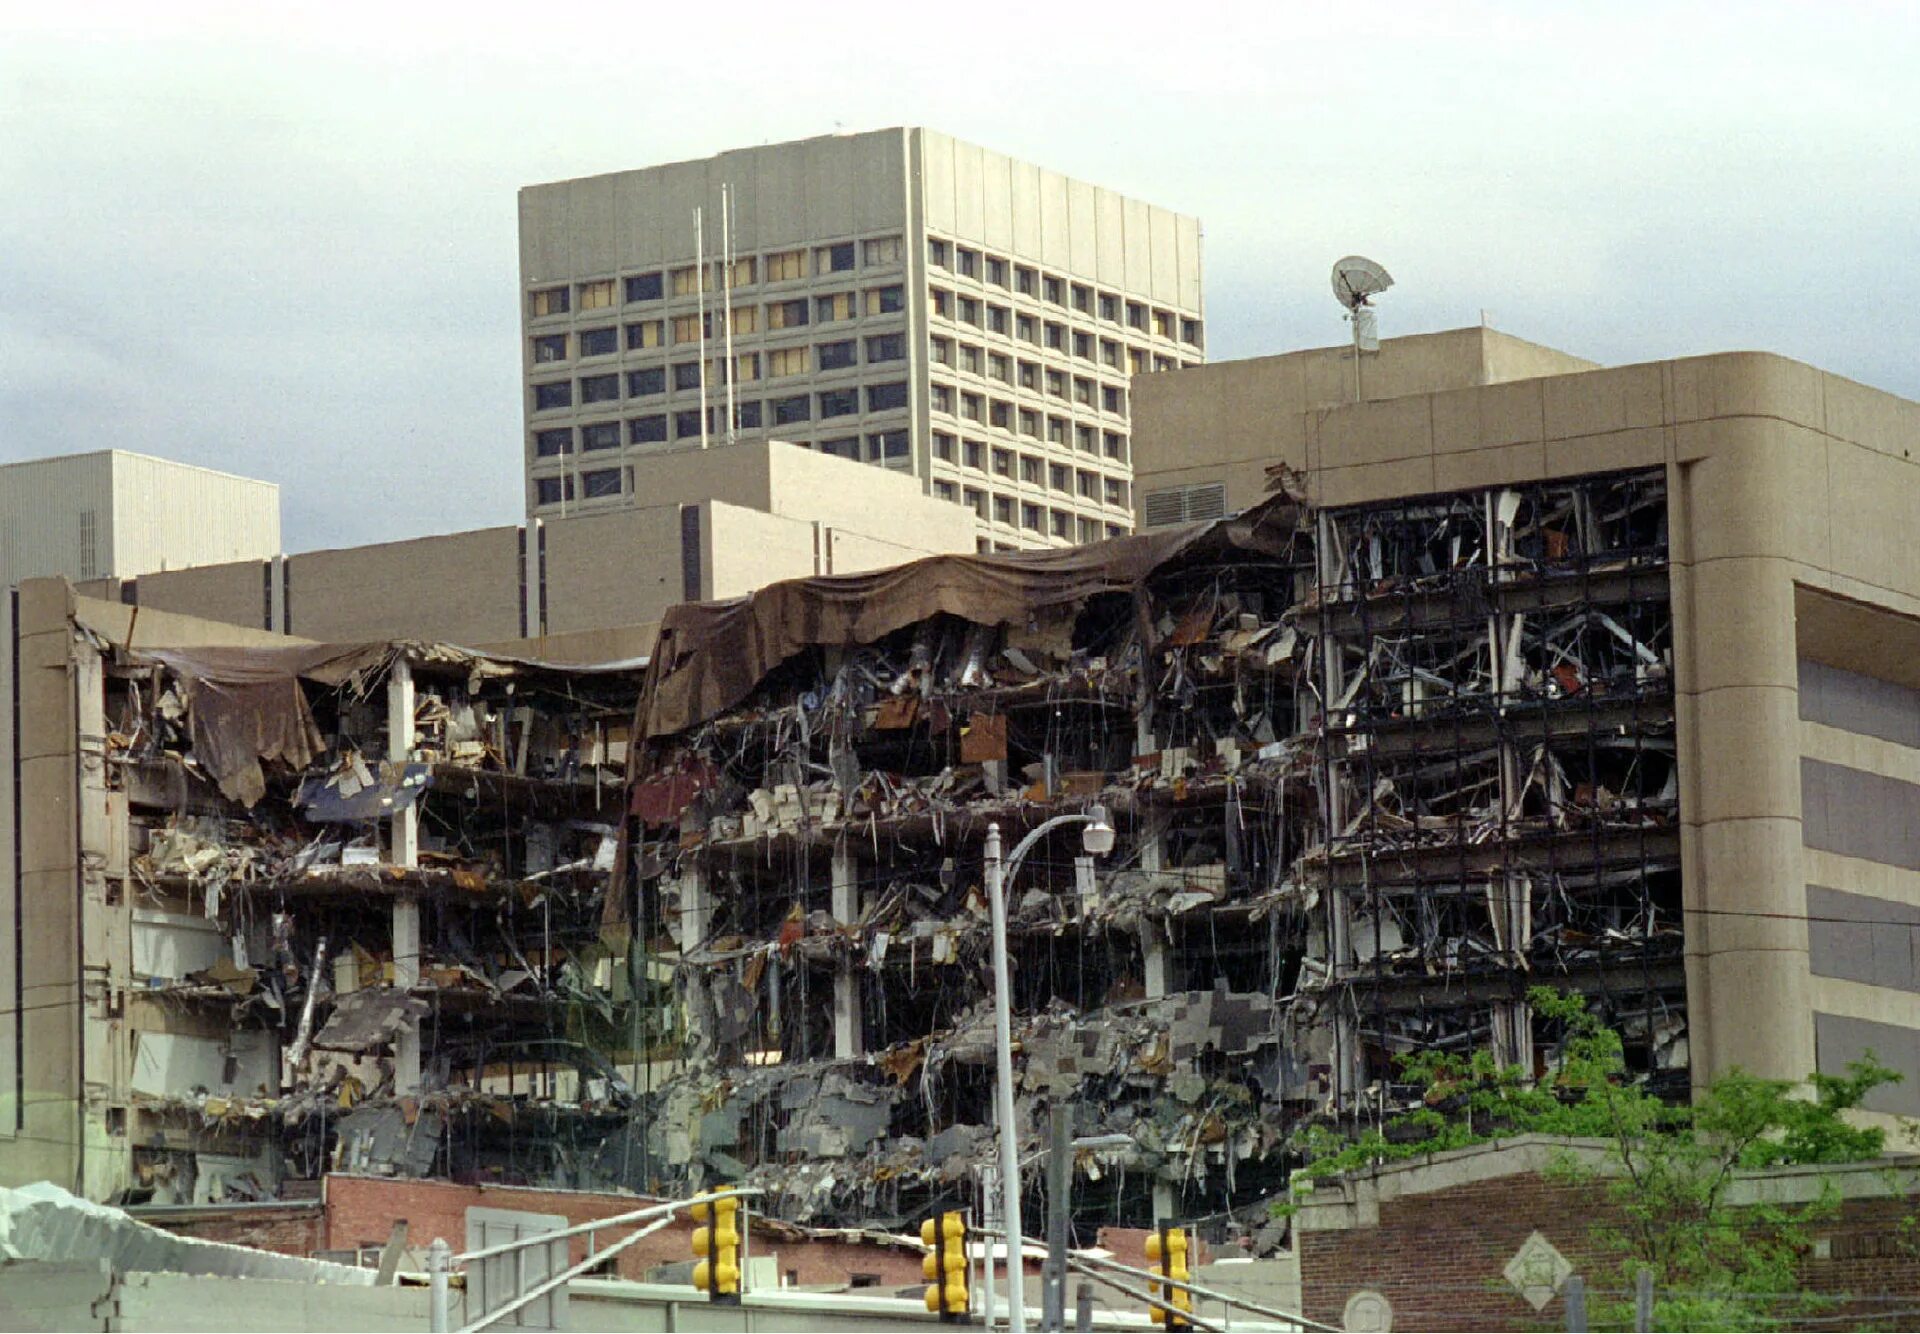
{"x": 710, "y": 655}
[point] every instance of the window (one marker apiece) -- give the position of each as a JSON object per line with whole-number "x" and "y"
{"x": 1110, "y": 353}
{"x": 943, "y": 443}
{"x": 746, "y": 367}
{"x": 1087, "y": 439}
{"x": 887, "y": 347}
{"x": 1163, "y": 324}
{"x": 997, "y": 317}
{"x": 548, "y": 301}
{"x": 1137, "y": 316}
{"x": 1056, "y": 291}
{"x": 939, "y": 351}
{"x": 1000, "y": 367}
{"x": 1190, "y": 332}
{"x": 1056, "y": 336}
{"x": 686, "y": 425}
{"x": 558, "y": 394}
{"x": 1003, "y": 509}
{"x": 1056, "y": 384}
{"x": 941, "y": 398}
{"x": 886, "y": 397}
{"x": 1087, "y": 483}
{"x": 686, "y": 281}
{"x": 969, "y": 311}
{"x": 744, "y": 271}
{"x": 973, "y": 453}
{"x": 1089, "y": 530}
{"x": 1112, "y": 399}
{"x": 789, "y": 410}
{"x": 549, "y": 347}
{"x": 1028, "y": 330}
{"x": 744, "y": 319}
{"x": 1136, "y": 361}
{"x": 1114, "y": 444}
{"x": 938, "y": 253}
{"x": 946, "y": 491}
{"x": 1110, "y": 307}
{"x": 786, "y": 361}
{"x": 1059, "y": 477}
{"x": 1025, "y": 280}
{"x": 1083, "y": 346}
{"x": 1083, "y": 390}
{"x": 1003, "y": 463}
{"x": 647, "y": 333}
{"x": 833, "y": 258}
{"x": 552, "y": 490}
{"x": 747, "y": 416}
{"x": 546, "y": 444}
{"x": 1161, "y": 363}
{"x": 1029, "y": 423}
{"x": 786, "y": 265}
{"x": 645, "y": 287}
{"x": 600, "y": 482}
{"x": 974, "y": 499}
{"x": 596, "y": 295}
{"x": 972, "y": 407}
{"x": 1000, "y": 413}
{"x": 942, "y": 302}
{"x": 686, "y": 375}
{"x": 1030, "y": 470}
{"x": 996, "y": 271}
{"x": 971, "y": 356}
{"x": 886, "y": 300}
{"x": 888, "y": 447}
{"x": 881, "y": 250}
{"x": 688, "y": 328}
{"x": 1059, "y": 523}
{"x": 1083, "y": 298}
{"x": 1030, "y": 516}
{"x": 837, "y": 356}
{"x": 839, "y": 403}
{"x": 1115, "y": 491}
{"x": 1057, "y": 430}
{"x": 837, "y": 306}
{"x": 966, "y": 261}
{"x": 1030, "y": 375}
{"x": 646, "y": 430}
{"x": 600, "y": 435}
{"x": 787, "y": 315}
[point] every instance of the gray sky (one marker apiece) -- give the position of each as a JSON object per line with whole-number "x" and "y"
{"x": 280, "y": 239}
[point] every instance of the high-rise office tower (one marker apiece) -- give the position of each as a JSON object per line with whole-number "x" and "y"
{"x": 897, "y": 296}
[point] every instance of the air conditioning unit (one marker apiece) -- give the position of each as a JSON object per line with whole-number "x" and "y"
{"x": 1198, "y": 503}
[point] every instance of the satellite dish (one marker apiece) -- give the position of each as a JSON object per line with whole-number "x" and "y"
{"x": 1356, "y": 279}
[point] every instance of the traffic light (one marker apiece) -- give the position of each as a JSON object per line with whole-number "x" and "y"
{"x": 716, "y": 1245}
{"x": 945, "y": 1266}
{"x": 1167, "y": 1256}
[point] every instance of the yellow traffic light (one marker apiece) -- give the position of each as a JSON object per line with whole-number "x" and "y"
{"x": 716, "y": 1245}
{"x": 945, "y": 1266}
{"x": 1166, "y": 1249}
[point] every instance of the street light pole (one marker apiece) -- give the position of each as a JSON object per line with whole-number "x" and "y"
{"x": 1098, "y": 839}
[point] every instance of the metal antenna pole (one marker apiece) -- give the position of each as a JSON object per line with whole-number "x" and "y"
{"x": 726, "y": 287}
{"x": 1003, "y": 1069}
{"x": 700, "y": 290}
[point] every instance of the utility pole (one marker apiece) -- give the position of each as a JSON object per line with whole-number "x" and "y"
{"x": 1053, "y": 1285}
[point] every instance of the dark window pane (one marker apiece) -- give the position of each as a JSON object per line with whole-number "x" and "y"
{"x": 601, "y": 482}
{"x": 556, "y": 395}
{"x": 652, "y": 380}
{"x": 881, "y": 397}
{"x": 644, "y": 287}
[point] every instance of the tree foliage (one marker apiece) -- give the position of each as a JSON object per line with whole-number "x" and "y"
{"x": 1667, "y": 1171}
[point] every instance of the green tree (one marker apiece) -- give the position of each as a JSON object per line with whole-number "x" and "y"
{"x": 1667, "y": 1170}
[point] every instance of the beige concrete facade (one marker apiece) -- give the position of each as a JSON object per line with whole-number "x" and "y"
{"x": 1791, "y": 492}
{"x": 588, "y": 587}
{"x": 112, "y": 513}
{"x": 899, "y": 297}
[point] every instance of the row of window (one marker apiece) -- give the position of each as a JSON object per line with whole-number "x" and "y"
{"x": 1058, "y": 291}
{"x": 977, "y": 360}
{"x": 969, "y": 406}
{"x": 748, "y": 416}
{"x": 1033, "y": 470}
{"x": 746, "y": 368}
{"x": 1045, "y": 333}
{"x": 1027, "y": 514}
{"x": 775, "y": 315}
{"x": 598, "y": 483}
{"x": 778, "y": 266}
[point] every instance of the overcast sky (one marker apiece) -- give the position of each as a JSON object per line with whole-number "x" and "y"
{"x": 279, "y": 239}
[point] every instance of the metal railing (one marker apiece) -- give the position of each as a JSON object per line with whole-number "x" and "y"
{"x": 441, "y": 1261}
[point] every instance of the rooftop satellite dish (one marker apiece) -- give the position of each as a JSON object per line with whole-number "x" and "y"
{"x": 1356, "y": 279}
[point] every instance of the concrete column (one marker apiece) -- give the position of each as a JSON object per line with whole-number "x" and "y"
{"x": 1153, "y": 949}
{"x": 404, "y": 850}
{"x": 847, "y": 1035}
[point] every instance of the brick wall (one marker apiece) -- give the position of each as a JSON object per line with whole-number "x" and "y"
{"x": 300, "y": 1231}
{"x": 1438, "y": 1258}
{"x": 361, "y": 1210}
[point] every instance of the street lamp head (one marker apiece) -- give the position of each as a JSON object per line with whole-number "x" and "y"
{"x": 1097, "y": 837}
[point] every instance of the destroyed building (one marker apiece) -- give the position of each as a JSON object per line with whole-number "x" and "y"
{"x": 1375, "y": 770}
